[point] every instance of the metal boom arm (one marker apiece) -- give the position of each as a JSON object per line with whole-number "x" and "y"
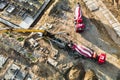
{"x": 21, "y": 30}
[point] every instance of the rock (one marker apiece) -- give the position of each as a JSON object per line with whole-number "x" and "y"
{"x": 77, "y": 72}
{"x": 90, "y": 75}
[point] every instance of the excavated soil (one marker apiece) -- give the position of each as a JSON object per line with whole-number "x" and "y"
{"x": 77, "y": 72}
{"x": 90, "y": 75}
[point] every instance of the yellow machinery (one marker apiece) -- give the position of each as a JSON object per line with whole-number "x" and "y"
{"x": 44, "y": 32}
{"x": 21, "y": 30}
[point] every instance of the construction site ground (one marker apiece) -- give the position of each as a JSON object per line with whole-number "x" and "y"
{"x": 115, "y": 11}
{"x": 61, "y": 15}
{"x": 95, "y": 36}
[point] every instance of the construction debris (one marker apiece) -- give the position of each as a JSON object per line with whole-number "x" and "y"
{"x": 46, "y": 26}
{"x": 33, "y": 43}
{"x": 2, "y": 61}
{"x": 52, "y": 62}
{"x": 63, "y": 68}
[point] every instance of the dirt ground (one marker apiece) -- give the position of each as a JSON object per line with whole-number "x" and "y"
{"x": 61, "y": 16}
{"x": 113, "y": 9}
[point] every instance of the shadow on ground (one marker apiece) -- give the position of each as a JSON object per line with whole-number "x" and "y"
{"x": 105, "y": 71}
{"x": 96, "y": 34}
{"x": 60, "y": 8}
{"x": 38, "y": 18}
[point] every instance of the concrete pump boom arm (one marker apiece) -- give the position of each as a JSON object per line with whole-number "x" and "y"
{"x": 21, "y": 30}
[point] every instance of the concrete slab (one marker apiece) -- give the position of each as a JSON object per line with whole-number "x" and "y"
{"x": 52, "y": 62}
{"x": 26, "y": 23}
{"x": 113, "y": 16}
{"x": 104, "y": 11}
{"x": 8, "y": 23}
{"x": 117, "y": 29}
{"x": 107, "y": 16}
{"x": 118, "y": 33}
{"x": 3, "y": 5}
{"x": 93, "y": 7}
{"x": 101, "y": 9}
{"x": 111, "y": 21}
{"x": 12, "y": 71}
{"x": 89, "y": 2}
{"x": 2, "y": 60}
{"x": 20, "y": 75}
{"x": 115, "y": 25}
